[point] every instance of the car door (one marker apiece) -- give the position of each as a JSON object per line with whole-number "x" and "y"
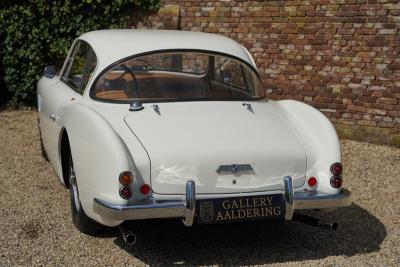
{"x": 50, "y": 98}
{"x": 71, "y": 85}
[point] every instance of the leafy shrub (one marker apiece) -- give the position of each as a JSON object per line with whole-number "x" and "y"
{"x": 36, "y": 33}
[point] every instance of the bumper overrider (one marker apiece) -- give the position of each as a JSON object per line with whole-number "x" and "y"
{"x": 185, "y": 208}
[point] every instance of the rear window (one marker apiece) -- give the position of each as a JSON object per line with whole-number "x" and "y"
{"x": 178, "y": 76}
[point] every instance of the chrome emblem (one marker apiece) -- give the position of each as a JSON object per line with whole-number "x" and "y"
{"x": 234, "y": 168}
{"x": 206, "y": 211}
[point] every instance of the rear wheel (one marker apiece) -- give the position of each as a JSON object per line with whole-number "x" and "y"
{"x": 80, "y": 219}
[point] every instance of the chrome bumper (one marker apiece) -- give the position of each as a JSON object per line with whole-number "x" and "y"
{"x": 185, "y": 208}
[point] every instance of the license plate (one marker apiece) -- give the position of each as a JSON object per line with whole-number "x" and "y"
{"x": 223, "y": 210}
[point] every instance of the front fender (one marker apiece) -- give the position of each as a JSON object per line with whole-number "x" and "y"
{"x": 319, "y": 138}
{"x": 99, "y": 156}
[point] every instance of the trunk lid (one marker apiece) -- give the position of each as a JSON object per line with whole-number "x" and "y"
{"x": 202, "y": 141}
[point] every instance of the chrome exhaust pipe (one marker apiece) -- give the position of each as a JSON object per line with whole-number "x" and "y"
{"x": 333, "y": 226}
{"x": 128, "y": 236}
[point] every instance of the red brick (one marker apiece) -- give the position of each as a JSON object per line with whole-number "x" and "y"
{"x": 394, "y": 113}
{"x": 346, "y": 31}
{"x": 394, "y": 66}
{"x": 349, "y": 7}
{"x": 387, "y": 101}
{"x": 386, "y": 124}
{"x": 356, "y": 108}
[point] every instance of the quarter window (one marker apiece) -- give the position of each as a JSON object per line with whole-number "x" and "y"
{"x": 91, "y": 63}
{"x": 80, "y": 67}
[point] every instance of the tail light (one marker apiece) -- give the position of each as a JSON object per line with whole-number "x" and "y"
{"x": 145, "y": 189}
{"x": 126, "y": 178}
{"x": 336, "y": 181}
{"x": 312, "y": 181}
{"x": 336, "y": 169}
{"x": 125, "y": 192}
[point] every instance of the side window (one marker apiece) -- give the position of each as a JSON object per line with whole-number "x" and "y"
{"x": 82, "y": 65}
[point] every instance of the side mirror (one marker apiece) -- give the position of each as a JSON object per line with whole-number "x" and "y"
{"x": 50, "y": 72}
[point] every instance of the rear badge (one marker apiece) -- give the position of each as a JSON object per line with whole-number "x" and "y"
{"x": 234, "y": 169}
{"x": 206, "y": 212}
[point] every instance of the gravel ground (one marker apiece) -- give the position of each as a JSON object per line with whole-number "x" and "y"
{"x": 36, "y": 227}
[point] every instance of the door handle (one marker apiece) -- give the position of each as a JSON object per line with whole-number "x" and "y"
{"x": 53, "y": 117}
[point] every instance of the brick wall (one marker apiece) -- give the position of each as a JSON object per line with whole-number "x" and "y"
{"x": 341, "y": 56}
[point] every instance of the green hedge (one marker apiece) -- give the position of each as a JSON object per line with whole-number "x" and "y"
{"x": 37, "y": 33}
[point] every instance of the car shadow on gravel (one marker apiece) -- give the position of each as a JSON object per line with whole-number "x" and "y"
{"x": 168, "y": 242}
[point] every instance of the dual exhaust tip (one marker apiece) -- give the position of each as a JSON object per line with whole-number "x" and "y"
{"x": 328, "y": 225}
{"x": 128, "y": 236}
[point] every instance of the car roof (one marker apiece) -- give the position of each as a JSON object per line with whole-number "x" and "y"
{"x": 113, "y": 45}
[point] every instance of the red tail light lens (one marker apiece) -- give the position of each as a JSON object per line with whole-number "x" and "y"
{"x": 145, "y": 189}
{"x": 126, "y": 178}
{"x": 336, "y": 181}
{"x": 125, "y": 192}
{"x": 312, "y": 181}
{"x": 336, "y": 168}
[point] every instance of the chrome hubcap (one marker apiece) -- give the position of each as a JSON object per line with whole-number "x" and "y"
{"x": 74, "y": 186}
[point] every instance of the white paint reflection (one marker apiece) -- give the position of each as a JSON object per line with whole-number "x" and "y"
{"x": 178, "y": 174}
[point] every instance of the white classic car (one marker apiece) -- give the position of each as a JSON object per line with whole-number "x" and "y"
{"x": 143, "y": 124}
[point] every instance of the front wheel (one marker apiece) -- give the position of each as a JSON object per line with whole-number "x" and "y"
{"x": 80, "y": 219}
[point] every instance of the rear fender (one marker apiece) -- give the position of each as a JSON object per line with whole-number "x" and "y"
{"x": 319, "y": 138}
{"x": 99, "y": 156}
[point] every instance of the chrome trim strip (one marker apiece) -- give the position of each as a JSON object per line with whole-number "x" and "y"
{"x": 288, "y": 196}
{"x": 234, "y": 168}
{"x": 190, "y": 203}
